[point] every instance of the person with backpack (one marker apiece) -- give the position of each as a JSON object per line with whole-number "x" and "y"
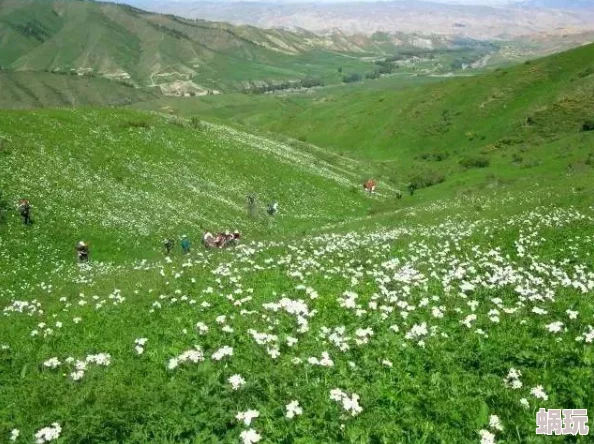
{"x": 168, "y": 244}
{"x": 272, "y": 208}
{"x": 24, "y": 208}
{"x": 185, "y": 244}
{"x": 82, "y": 250}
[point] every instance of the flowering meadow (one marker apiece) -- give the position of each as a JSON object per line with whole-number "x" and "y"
{"x": 440, "y": 322}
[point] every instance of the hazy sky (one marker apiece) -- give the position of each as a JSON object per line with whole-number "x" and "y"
{"x": 473, "y": 2}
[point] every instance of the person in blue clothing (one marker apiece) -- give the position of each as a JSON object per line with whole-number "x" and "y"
{"x": 185, "y": 244}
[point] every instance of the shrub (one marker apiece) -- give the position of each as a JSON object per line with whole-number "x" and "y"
{"x": 197, "y": 123}
{"x": 475, "y": 162}
{"x": 178, "y": 122}
{"x": 427, "y": 179}
{"x": 138, "y": 124}
{"x": 435, "y": 157}
{"x": 351, "y": 78}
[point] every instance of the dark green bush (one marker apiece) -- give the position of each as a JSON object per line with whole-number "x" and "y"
{"x": 475, "y": 162}
{"x": 427, "y": 179}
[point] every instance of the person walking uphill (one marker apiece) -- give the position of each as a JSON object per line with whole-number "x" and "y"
{"x": 24, "y": 208}
{"x": 185, "y": 244}
{"x": 82, "y": 250}
{"x": 168, "y": 244}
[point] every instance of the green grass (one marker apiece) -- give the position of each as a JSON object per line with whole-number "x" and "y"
{"x": 488, "y": 261}
{"x": 26, "y": 90}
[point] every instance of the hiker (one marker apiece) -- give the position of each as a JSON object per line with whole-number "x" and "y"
{"x": 272, "y": 208}
{"x": 82, "y": 250}
{"x": 251, "y": 205}
{"x": 411, "y": 188}
{"x": 369, "y": 186}
{"x": 24, "y": 208}
{"x": 398, "y": 194}
{"x": 168, "y": 244}
{"x": 185, "y": 244}
{"x": 235, "y": 237}
{"x": 222, "y": 239}
{"x": 208, "y": 240}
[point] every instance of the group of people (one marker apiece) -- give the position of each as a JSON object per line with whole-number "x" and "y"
{"x": 370, "y": 185}
{"x": 221, "y": 240}
{"x": 209, "y": 240}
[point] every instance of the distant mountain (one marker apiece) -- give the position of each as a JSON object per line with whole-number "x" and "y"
{"x": 566, "y": 5}
{"x": 178, "y": 56}
{"x": 475, "y": 21}
{"x": 142, "y": 49}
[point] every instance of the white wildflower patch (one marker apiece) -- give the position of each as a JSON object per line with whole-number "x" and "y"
{"x": 236, "y": 381}
{"x": 194, "y": 355}
{"x": 293, "y": 409}
{"x": 350, "y": 404}
{"x": 47, "y": 434}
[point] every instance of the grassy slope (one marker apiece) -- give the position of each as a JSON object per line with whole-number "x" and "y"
{"x": 105, "y": 176}
{"x": 20, "y": 90}
{"x": 124, "y": 179}
{"x": 525, "y": 117}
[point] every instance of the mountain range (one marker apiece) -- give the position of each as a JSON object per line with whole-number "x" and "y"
{"x": 551, "y": 17}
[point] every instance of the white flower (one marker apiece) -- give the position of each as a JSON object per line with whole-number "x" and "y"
{"x": 173, "y": 363}
{"x": 222, "y": 352}
{"x": 273, "y": 352}
{"x": 572, "y": 314}
{"x": 336, "y": 394}
{"x": 47, "y": 434}
{"x": 247, "y": 416}
{"x": 538, "y": 392}
{"x": 348, "y": 404}
{"x": 14, "y": 434}
{"x": 487, "y": 437}
{"x": 555, "y": 327}
{"x": 524, "y": 403}
{"x": 99, "y": 359}
{"x": 77, "y": 375}
{"x": 495, "y": 423}
{"x": 293, "y": 409}
{"x": 52, "y": 363}
{"x": 202, "y": 328}
{"x": 387, "y": 363}
{"x": 236, "y": 381}
{"x": 250, "y": 436}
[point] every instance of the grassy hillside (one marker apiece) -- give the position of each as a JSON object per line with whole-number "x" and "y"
{"x": 450, "y": 316}
{"x": 125, "y": 180}
{"x": 20, "y": 90}
{"x": 507, "y": 118}
{"x": 419, "y": 315}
